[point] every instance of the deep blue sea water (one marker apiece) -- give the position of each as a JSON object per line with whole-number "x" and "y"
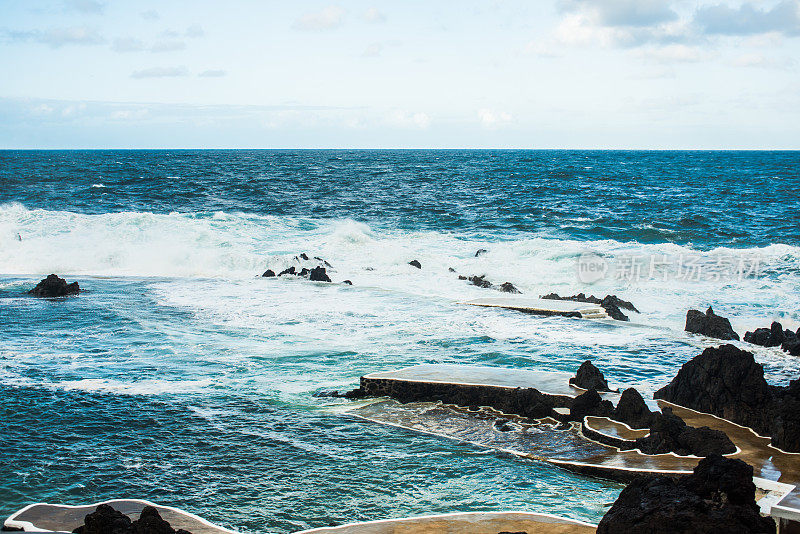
{"x": 181, "y": 376}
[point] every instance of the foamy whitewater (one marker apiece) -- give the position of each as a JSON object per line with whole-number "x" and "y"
{"x": 181, "y": 376}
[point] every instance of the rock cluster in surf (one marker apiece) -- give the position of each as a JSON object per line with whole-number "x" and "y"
{"x": 54, "y": 286}
{"x": 719, "y": 496}
{"x": 612, "y": 304}
{"x": 316, "y": 271}
{"x": 709, "y": 324}
{"x": 776, "y": 336}
{"x": 589, "y": 377}
{"x": 727, "y": 382}
{"x": 106, "y": 520}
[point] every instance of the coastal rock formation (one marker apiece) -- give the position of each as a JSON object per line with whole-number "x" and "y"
{"x": 347, "y": 282}
{"x": 53, "y": 286}
{"x": 669, "y": 433}
{"x": 481, "y": 251}
{"x": 318, "y": 274}
{"x": 776, "y": 336}
{"x": 632, "y": 410}
{"x": 107, "y": 520}
{"x": 590, "y": 403}
{"x": 612, "y": 304}
{"x": 290, "y": 270}
{"x": 508, "y": 287}
{"x": 415, "y": 263}
{"x": 727, "y": 382}
{"x": 589, "y": 377}
{"x": 709, "y": 324}
{"x": 479, "y": 281}
{"x": 719, "y": 496}
{"x": 269, "y": 273}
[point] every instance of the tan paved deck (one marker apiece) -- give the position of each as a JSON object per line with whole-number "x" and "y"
{"x": 465, "y": 523}
{"x": 542, "y": 306}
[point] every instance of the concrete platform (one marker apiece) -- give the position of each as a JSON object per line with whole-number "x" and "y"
{"x": 564, "y": 308}
{"x": 465, "y": 523}
{"x": 43, "y": 517}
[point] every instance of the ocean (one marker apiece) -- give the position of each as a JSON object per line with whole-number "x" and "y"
{"x": 181, "y": 376}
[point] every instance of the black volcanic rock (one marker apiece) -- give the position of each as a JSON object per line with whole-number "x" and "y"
{"x": 481, "y": 251}
{"x": 619, "y": 303}
{"x": 669, "y": 433}
{"x": 792, "y": 346}
{"x": 269, "y": 273}
{"x": 53, "y": 286}
{"x": 304, "y": 256}
{"x": 290, "y": 270}
{"x": 718, "y": 497}
{"x": 415, "y": 263}
{"x": 726, "y": 382}
{"x": 632, "y": 410}
{"x": 107, "y": 520}
{"x": 318, "y": 274}
{"x": 508, "y": 287}
{"x": 347, "y": 282}
{"x": 774, "y": 336}
{"x": 480, "y": 281}
{"x": 709, "y": 324}
{"x": 590, "y": 403}
{"x": 589, "y": 377}
{"x": 785, "y": 423}
{"x": 614, "y": 312}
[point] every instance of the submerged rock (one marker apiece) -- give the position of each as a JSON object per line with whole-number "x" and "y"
{"x": 709, "y": 324}
{"x": 589, "y": 377}
{"x": 107, "y": 520}
{"x": 415, "y": 263}
{"x": 480, "y": 281}
{"x": 508, "y": 287}
{"x": 304, "y": 256}
{"x": 269, "y": 273}
{"x": 719, "y": 496}
{"x": 53, "y": 286}
{"x": 632, "y": 410}
{"x": 347, "y": 282}
{"x": 480, "y": 252}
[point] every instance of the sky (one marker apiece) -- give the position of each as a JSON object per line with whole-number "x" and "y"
{"x": 641, "y": 74}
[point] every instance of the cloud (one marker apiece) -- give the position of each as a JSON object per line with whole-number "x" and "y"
{"x": 160, "y": 72}
{"x": 127, "y": 44}
{"x": 373, "y": 50}
{"x": 493, "y": 119}
{"x": 58, "y": 37}
{"x": 634, "y": 13}
{"x": 150, "y": 14}
{"x": 194, "y": 31}
{"x": 167, "y": 46}
{"x": 406, "y": 119}
{"x": 676, "y": 53}
{"x": 759, "y": 60}
{"x": 374, "y": 16}
{"x": 212, "y": 74}
{"x": 325, "y": 19}
{"x": 86, "y": 6}
{"x": 747, "y": 19}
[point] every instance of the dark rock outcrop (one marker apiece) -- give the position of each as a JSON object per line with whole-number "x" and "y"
{"x": 610, "y": 303}
{"x": 727, "y": 382}
{"x": 632, "y": 410}
{"x": 53, "y": 286}
{"x": 590, "y": 403}
{"x": 480, "y": 252}
{"x": 719, "y": 496}
{"x": 776, "y": 336}
{"x": 304, "y": 256}
{"x": 269, "y": 273}
{"x": 480, "y": 281}
{"x": 669, "y": 433}
{"x": 709, "y": 324}
{"x": 508, "y": 287}
{"x": 318, "y": 274}
{"x": 290, "y": 270}
{"x": 792, "y": 346}
{"x": 347, "y": 282}
{"x": 415, "y": 263}
{"x": 107, "y": 520}
{"x": 589, "y": 377}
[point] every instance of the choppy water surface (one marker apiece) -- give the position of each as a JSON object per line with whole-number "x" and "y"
{"x": 182, "y": 377}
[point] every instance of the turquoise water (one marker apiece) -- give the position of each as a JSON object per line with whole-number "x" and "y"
{"x": 181, "y": 376}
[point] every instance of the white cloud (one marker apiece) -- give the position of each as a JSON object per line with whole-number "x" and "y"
{"x": 160, "y": 72}
{"x": 677, "y": 53}
{"x": 406, "y": 119}
{"x": 212, "y": 74}
{"x": 167, "y": 46}
{"x": 194, "y": 31}
{"x": 373, "y": 50}
{"x": 127, "y": 44}
{"x": 77, "y": 35}
{"x": 325, "y": 19}
{"x": 493, "y": 119}
{"x": 373, "y": 15}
